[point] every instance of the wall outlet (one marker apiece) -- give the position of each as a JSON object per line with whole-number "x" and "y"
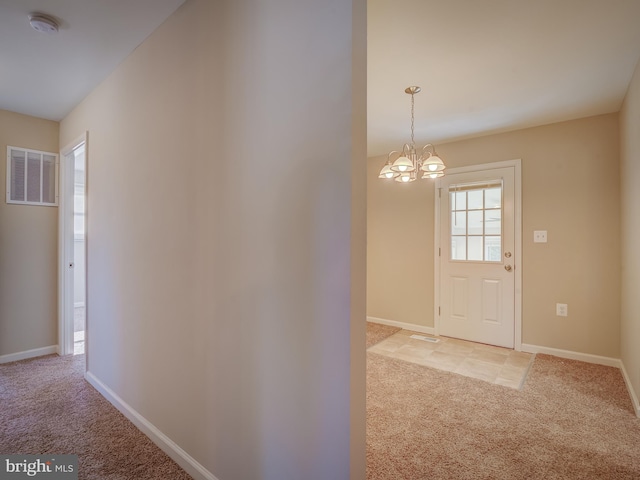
{"x": 540, "y": 236}
{"x": 562, "y": 310}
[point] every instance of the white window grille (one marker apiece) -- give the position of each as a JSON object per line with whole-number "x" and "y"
{"x": 476, "y": 222}
{"x": 32, "y": 177}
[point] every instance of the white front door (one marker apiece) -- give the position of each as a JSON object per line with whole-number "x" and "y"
{"x": 477, "y": 256}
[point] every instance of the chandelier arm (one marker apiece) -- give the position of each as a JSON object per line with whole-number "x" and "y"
{"x": 391, "y": 153}
{"x": 432, "y": 148}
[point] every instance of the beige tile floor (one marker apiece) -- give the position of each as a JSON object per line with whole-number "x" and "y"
{"x": 498, "y": 365}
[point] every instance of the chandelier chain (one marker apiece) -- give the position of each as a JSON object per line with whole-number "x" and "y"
{"x": 412, "y": 140}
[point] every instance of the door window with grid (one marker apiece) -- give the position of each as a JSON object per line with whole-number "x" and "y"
{"x": 476, "y": 222}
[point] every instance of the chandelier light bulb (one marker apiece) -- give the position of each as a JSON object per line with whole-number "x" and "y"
{"x": 433, "y": 174}
{"x": 386, "y": 172}
{"x": 403, "y": 164}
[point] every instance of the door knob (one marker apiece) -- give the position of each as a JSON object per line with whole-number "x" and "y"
{"x": 508, "y": 268}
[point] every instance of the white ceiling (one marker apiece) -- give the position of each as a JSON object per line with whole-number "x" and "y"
{"x": 484, "y": 65}
{"x": 47, "y": 75}
{"x": 494, "y": 65}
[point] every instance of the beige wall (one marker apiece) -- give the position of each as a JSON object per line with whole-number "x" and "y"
{"x": 222, "y": 305}
{"x": 28, "y": 248}
{"x": 570, "y": 187}
{"x": 630, "y": 203}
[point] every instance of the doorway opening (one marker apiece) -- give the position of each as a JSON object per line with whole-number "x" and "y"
{"x": 79, "y": 244}
{"x": 73, "y": 247}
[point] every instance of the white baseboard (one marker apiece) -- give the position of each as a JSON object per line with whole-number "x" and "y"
{"x": 632, "y": 393}
{"x": 36, "y": 352}
{"x": 583, "y": 357}
{"x": 182, "y": 458}
{"x": 403, "y": 325}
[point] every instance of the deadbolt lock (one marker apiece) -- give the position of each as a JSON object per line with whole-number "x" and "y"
{"x": 507, "y": 254}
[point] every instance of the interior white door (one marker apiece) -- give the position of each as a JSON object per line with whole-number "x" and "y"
{"x": 477, "y": 257}
{"x": 71, "y": 229}
{"x": 66, "y": 261}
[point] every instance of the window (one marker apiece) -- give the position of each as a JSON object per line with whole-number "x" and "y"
{"x": 476, "y": 222}
{"x": 32, "y": 177}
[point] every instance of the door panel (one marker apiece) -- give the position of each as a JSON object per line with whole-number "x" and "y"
{"x": 477, "y": 241}
{"x": 459, "y": 297}
{"x": 491, "y": 300}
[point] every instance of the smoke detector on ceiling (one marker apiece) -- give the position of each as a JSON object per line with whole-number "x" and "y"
{"x": 43, "y": 23}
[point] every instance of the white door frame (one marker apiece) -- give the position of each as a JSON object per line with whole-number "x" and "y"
{"x": 65, "y": 250}
{"x": 516, "y": 164}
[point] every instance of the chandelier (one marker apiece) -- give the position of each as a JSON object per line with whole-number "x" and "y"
{"x": 408, "y": 164}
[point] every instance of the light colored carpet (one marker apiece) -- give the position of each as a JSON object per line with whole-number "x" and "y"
{"x": 572, "y": 420}
{"x": 46, "y": 406}
{"x": 376, "y": 332}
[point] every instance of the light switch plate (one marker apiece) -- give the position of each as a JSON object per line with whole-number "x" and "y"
{"x": 562, "y": 310}
{"x": 540, "y": 236}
